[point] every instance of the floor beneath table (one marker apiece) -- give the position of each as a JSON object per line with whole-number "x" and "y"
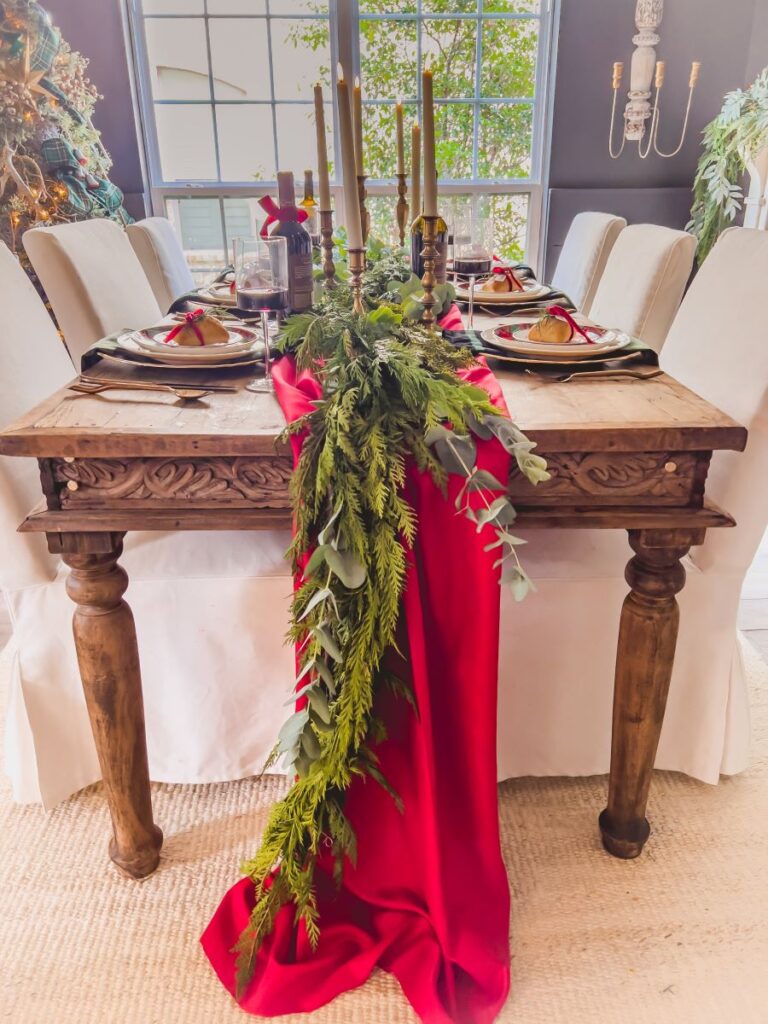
{"x": 679, "y": 936}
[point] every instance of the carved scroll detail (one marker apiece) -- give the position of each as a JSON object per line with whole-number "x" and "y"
{"x": 260, "y": 482}
{"x": 667, "y": 477}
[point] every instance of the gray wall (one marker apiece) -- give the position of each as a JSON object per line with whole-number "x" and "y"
{"x": 730, "y": 39}
{"x": 94, "y": 27}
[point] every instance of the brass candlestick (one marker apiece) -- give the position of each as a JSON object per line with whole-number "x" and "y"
{"x": 356, "y": 263}
{"x": 326, "y": 246}
{"x": 429, "y": 256}
{"x": 402, "y": 206}
{"x": 365, "y": 217}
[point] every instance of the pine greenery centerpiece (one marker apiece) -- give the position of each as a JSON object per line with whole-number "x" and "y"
{"x": 391, "y": 395}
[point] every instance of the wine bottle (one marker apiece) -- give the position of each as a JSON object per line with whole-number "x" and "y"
{"x": 299, "y": 246}
{"x": 417, "y": 245}
{"x": 309, "y": 203}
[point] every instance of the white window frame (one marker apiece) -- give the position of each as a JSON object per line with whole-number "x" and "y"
{"x": 343, "y": 18}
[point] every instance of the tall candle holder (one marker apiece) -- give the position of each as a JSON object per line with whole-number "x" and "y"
{"x": 365, "y": 217}
{"x": 402, "y": 206}
{"x": 356, "y": 264}
{"x": 429, "y": 255}
{"x": 326, "y": 246}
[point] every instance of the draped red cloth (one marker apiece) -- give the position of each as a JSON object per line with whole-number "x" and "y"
{"x": 429, "y": 899}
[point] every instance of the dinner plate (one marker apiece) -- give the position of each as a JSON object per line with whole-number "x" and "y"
{"x": 516, "y": 340}
{"x": 155, "y": 339}
{"x": 210, "y": 356}
{"x": 531, "y": 291}
{"x": 218, "y": 293}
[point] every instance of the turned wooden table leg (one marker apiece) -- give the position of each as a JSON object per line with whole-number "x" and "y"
{"x": 105, "y": 638}
{"x": 646, "y": 651}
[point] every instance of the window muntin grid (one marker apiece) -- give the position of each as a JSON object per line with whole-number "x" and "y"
{"x": 473, "y": 170}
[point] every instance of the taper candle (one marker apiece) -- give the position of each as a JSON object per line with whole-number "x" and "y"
{"x": 322, "y": 150}
{"x": 357, "y": 120}
{"x": 428, "y": 122}
{"x": 400, "y": 139}
{"x": 349, "y": 176}
{"x": 415, "y": 171}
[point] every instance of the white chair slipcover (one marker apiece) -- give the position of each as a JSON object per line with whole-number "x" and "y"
{"x": 557, "y": 649}
{"x": 211, "y": 610}
{"x": 93, "y": 279}
{"x": 157, "y": 246}
{"x": 585, "y": 252}
{"x": 643, "y": 281}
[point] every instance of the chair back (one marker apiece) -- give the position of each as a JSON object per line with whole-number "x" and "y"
{"x": 585, "y": 252}
{"x": 157, "y": 246}
{"x": 93, "y": 279}
{"x": 644, "y": 281}
{"x": 718, "y": 347}
{"x": 33, "y": 364}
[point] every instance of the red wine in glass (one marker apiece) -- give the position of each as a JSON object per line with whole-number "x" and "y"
{"x": 271, "y": 300}
{"x": 472, "y": 266}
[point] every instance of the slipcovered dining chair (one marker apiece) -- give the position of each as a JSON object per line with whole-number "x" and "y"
{"x": 93, "y": 279}
{"x": 210, "y": 608}
{"x": 584, "y": 254}
{"x": 557, "y": 651}
{"x": 157, "y": 246}
{"x": 643, "y": 281}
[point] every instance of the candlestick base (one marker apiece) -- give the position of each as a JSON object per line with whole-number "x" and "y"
{"x": 402, "y": 206}
{"x": 365, "y": 217}
{"x": 429, "y": 255}
{"x": 326, "y": 245}
{"x": 356, "y": 262}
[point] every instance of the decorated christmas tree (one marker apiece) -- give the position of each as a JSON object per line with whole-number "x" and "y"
{"x": 53, "y": 167}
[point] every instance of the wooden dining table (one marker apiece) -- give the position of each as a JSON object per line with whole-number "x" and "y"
{"x": 623, "y": 454}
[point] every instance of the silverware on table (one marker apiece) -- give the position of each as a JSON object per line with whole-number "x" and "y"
{"x": 592, "y": 374}
{"x": 87, "y": 378}
{"x": 93, "y": 387}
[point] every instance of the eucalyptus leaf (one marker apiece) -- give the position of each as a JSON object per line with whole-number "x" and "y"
{"x": 319, "y": 704}
{"x": 310, "y": 743}
{"x": 327, "y": 642}
{"x": 316, "y": 559}
{"x": 349, "y": 570}
{"x": 317, "y": 598}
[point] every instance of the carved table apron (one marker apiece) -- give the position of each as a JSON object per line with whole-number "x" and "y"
{"x": 631, "y": 456}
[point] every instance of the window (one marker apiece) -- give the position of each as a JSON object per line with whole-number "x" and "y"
{"x": 226, "y": 93}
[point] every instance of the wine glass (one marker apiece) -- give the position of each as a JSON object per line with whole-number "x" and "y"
{"x": 472, "y": 250}
{"x": 261, "y": 280}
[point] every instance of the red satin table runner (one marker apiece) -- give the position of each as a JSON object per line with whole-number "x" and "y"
{"x": 428, "y": 900}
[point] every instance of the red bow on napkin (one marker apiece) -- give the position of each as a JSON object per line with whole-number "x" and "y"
{"x": 190, "y": 320}
{"x": 514, "y": 281}
{"x": 275, "y": 213}
{"x": 559, "y": 311}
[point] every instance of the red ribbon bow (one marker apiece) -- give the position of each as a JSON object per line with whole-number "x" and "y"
{"x": 576, "y": 328}
{"x": 275, "y": 213}
{"x": 512, "y": 278}
{"x": 190, "y": 320}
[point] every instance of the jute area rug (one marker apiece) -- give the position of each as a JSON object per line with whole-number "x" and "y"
{"x": 678, "y": 936}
